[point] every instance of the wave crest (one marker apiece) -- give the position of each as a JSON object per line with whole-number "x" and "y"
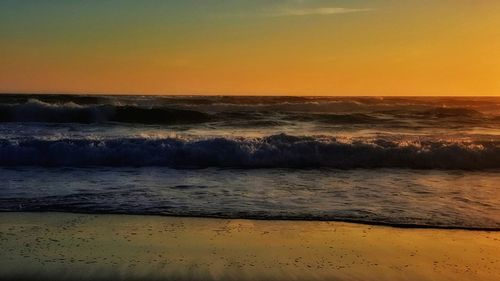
{"x": 276, "y": 151}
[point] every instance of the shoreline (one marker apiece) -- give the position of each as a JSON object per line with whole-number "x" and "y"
{"x": 281, "y": 219}
{"x": 67, "y": 246}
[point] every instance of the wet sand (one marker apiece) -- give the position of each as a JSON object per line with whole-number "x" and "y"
{"x": 56, "y": 246}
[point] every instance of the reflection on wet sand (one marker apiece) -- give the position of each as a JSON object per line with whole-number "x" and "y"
{"x": 54, "y": 246}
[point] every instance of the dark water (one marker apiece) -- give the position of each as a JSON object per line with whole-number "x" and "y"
{"x": 401, "y": 161}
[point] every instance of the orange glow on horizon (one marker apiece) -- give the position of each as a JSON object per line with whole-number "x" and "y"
{"x": 444, "y": 49}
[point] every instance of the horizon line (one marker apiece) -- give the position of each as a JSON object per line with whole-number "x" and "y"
{"x": 244, "y": 94}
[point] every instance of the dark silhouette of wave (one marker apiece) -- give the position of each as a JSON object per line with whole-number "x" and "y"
{"x": 34, "y": 110}
{"x": 37, "y": 111}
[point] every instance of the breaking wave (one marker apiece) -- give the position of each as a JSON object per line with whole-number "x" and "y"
{"x": 34, "y": 110}
{"x": 276, "y": 151}
{"x": 38, "y": 111}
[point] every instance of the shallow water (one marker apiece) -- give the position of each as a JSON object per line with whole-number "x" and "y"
{"x": 387, "y": 196}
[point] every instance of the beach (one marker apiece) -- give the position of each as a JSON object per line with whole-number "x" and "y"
{"x": 249, "y": 188}
{"x": 63, "y": 246}
{"x": 284, "y": 140}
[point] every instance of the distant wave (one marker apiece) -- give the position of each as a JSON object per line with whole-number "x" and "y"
{"x": 34, "y": 110}
{"x": 38, "y": 111}
{"x": 274, "y": 151}
{"x": 442, "y": 112}
{"x": 352, "y": 118}
{"x": 435, "y": 112}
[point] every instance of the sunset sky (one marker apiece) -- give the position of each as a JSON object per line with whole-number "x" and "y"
{"x": 273, "y": 47}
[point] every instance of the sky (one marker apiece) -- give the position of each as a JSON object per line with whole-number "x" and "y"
{"x": 251, "y": 47}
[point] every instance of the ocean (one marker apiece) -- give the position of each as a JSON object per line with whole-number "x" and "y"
{"x": 401, "y": 161}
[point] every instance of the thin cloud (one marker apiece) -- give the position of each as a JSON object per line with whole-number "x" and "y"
{"x": 315, "y": 11}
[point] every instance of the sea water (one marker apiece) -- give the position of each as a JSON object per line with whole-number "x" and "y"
{"x": 423, "y": 162}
